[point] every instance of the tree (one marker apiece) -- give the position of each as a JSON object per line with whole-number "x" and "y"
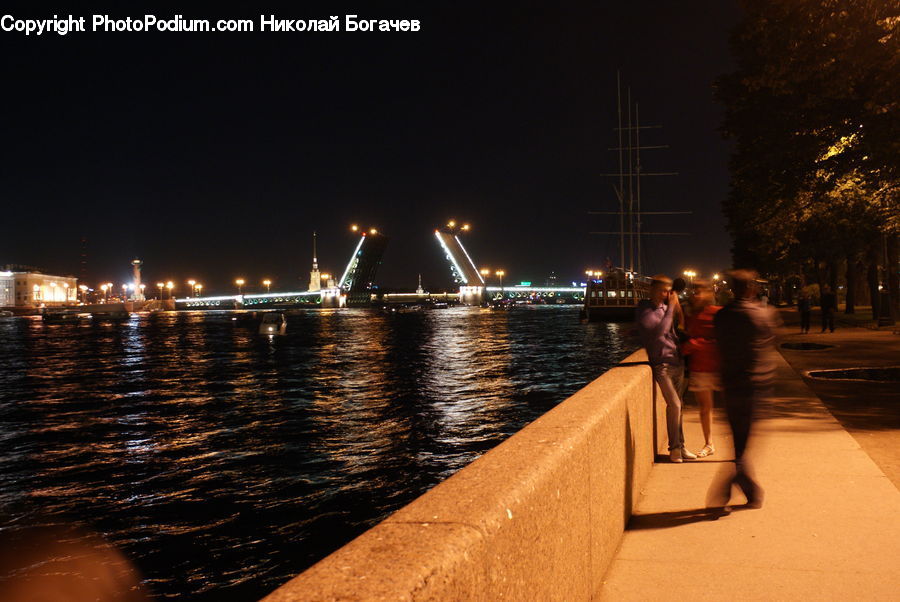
{"x": 812, "y": 107}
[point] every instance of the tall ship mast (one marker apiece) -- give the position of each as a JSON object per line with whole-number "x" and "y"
{"x": 613, "y": 294}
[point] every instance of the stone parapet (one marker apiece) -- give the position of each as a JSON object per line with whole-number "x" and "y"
{"x": 540, "y": 516}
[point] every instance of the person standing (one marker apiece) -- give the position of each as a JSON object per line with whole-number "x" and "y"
{"x": 803, "y": 306}
{"x": 745, "y": 335}
{"x": 829, "y": 305}
{"x": 655, "y": 324}
{"x": 703, "y": 355}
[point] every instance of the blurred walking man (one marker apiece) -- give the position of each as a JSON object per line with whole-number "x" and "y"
{"x": 655, "y": 319}
{"x": 745, "y": 334}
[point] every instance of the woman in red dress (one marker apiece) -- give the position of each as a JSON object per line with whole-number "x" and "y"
{"x": 704, "y": 357}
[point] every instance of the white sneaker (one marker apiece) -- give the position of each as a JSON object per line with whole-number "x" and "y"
{"x": 675, "y": 456}
{"x": 687, "y": 455}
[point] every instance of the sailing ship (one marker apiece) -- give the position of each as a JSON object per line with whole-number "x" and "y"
{"x": 613, "y": 295}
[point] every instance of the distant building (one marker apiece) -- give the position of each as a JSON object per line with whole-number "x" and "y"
{"x": 34, "y": 289}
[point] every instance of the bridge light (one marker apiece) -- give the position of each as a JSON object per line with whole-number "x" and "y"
{"x": 373, "y": 231}
{"x": 465, "y": 227}
{"x": 451, "y": 224}
{"x": 354, "y": 228}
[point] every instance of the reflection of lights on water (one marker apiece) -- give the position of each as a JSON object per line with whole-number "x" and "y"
{"x": 349, "y": 405}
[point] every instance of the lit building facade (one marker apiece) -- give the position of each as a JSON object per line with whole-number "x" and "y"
{"x": 33, "y": 289}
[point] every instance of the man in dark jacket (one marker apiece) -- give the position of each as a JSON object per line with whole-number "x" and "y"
{"x": 745, "y": 334}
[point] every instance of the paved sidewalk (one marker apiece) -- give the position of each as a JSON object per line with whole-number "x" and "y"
{"x": 870, "y": 411}
{"x": 829, "y": 530}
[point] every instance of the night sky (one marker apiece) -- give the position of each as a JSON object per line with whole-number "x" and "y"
{"x": 216, "y": 155}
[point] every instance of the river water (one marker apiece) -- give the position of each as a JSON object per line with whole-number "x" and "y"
{"x": 221, "y": 462}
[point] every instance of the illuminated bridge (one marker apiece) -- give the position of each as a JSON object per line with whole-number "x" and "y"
{"x": 356, "y": 283}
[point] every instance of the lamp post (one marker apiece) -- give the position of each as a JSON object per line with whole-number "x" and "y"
{"x": 193, "y": 285}
{"x": 160, "y": 285}
{"x": 105, "y": 288}
{"x": 142, "y": 287}
{"x": 268, "y": 284}
{"x": 690, "y": 274}
{"x": 199, "y": 288}
{"x": 84, "y": 289}
{"x": 239, "y": 282}
{"x": 169, "y": 286}
{"x": 500, "y": 274}
{"x": 124, "y": 292}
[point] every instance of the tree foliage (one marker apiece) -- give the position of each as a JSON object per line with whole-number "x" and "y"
{"x": 813, "y": 109}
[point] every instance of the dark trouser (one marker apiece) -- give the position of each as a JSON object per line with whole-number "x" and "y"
{"x": 804, "y": 321}
{"x": 740, "y": 406}
{"x": 828, "y": 320}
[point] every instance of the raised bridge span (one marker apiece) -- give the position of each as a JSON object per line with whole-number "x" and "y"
{"x": 357, "y": 280}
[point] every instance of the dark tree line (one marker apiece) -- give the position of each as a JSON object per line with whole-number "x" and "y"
{"x": 813, "y": 109}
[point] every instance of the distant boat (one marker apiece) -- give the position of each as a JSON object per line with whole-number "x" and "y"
{"x": 614, "y": 296}
{"x": 273, "y": 323}
{"x": 60, "y": 316}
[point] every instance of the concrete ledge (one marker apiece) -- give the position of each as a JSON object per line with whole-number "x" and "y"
{"x": 538, "y": 517}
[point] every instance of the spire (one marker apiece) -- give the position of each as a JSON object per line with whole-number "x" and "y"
{"x": 315, "y": 259}
{"x": 315, "y": 279}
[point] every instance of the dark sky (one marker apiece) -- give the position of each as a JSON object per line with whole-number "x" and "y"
{"x": 214, "y": 155}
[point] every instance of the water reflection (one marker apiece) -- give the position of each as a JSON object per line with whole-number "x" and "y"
{"x": 222, "y": 462}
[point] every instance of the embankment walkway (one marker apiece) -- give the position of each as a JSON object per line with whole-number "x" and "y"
{"x": 829, "y": 529}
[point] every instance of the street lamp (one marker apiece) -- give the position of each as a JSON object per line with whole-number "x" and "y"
{"x": 124, "y": 292}
{"x": 84, "y": 289}
{"x": 105, "y": 290}
{"x": 170, "y": 285}
{"x": 690, "y": 274}
{"x": 239, "y": 282}
{"x": 193, "y": 285}
{"x": 160, "y": 285}
{"x": 142, "y": 287}
{"x": 267, "y": 283}
{"x": 500, "y": 274}
{"x": 199, "y": 289}
{"x": 354, "y": 228}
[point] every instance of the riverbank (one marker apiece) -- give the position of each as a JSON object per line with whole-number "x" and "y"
{"x": 829, "y": 527}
